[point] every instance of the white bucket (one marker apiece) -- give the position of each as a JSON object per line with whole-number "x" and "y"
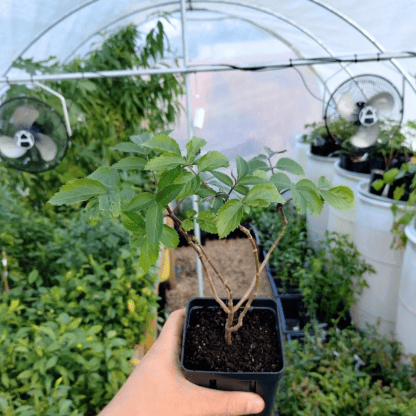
{"x": 343, "y": 221}
{"x": 316, "y": 167}
{"x": 406, "y": 312}
{"x": 301, "y": 148}
{"x": 373, "y": 238}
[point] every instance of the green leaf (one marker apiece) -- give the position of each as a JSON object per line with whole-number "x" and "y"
{"x": 399, "y": 192}
{"x": 241, "y": 189}
{"x": 78, "y": 190}
{"x": 93, "y": 211}
{"x": 229, "y": 217}
{"x": 148, "y": 254}
{"x": 25, "y": 374}
{"x": 167, "y": 194}
{"x": 130, "y": 163}
{"x": 205, "y": 192}
{"x": 163, "y": 143}
{"x": 306, "y": 183}
{"x": 110, "y": 203}
{"x": 188, "y": 224}
{"x": 289, "y": 165}
{"x": 154, "y": 224}
{"x": 165, "y": 161}
{"x": 378, "y": 184}
{"x": 129, "y": 147}
{"x": 257, "y": 164}
{"x": 127, "y": 194}
{"x": 189, "y": 182}
{"x": 190, "y": 214}
{"x": 141, "y": 202}
{"x": 242, "y": 167}
{"x": 193, "y": 148}
{"x": 324, "y": 183}
{"x": 280, "y": 180}
{"x": 140, "y": 139}
{"x": 390, "y": 175}
{"x": 33, "y": 275}
{"x": 211, "y": 161}
{"x": 133, "y": 222}
{"x": 265, "y": 192}
{"x": 51, "y": 362}
{"x": 169, "y": 237}
{"x": 306, "y": 198}
{"x": 207, "y": 220}
{"x": 217, "y": 204}
{"x": 107, "y": 176}
{"x": 169, "y": 176}
{"x": 340, "y": 197}
{"x": 222, "y": 177}
{"x": 252, "y": 179}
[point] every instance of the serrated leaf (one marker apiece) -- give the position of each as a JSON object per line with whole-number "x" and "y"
{"x": 110, "y": 203}
{"x": 154, "y": 224}
{"x": 340, "y": 197}
{"x": 306, "y": 183}
{"x": 190, "y": 214}
{"x": 211, "y": 161}
{"x": 207, "y": 220}
{"x": 222, "y": 177}
{"x": 280, "y": 180}
{"x": 324, "y": 183}
{"x": 265, "y": 192}
{"x": 241, "y": 189}
{"x": 165, "y": 161}
{"x": 167, "y": 194}
{"x": 130, "y": 163}
{"x": 193, "y": 148}
{"x": 257, "y": 164}
{"x": 229, "y": 217}
{"x": 78, "y": 190}
{"x": 163, "y": 143}
{"x": 169, "y": 176}
{"x": 217, "y": 204}
{"x": 188, "y": 224}
{"x": 140, "y": 139}
{"x": 205, "y": 192}
{"x": 189, "y": 182}
{"x": 148, "y": 254}
{"x": 169, "y": 237}
{"x": 261, "y": 174}
{"x": 127, "y": 194}
{"x": 242, "y": 167}
{"x": 306, "y": 198}
{"x": 129, "y": 147}
{"x": 251, "y": 180}
{"x": 133, "y": 222}
{"x": 109, "y": 177}
{"x": 141, "y": 202}
{"x": 289, "y": 165}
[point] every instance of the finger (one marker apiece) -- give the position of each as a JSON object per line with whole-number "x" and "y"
{"x": 222, "y": 403}
{"x": 171, "y": 334}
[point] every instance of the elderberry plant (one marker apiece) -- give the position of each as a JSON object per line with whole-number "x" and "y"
{"x": 258, "y": 182}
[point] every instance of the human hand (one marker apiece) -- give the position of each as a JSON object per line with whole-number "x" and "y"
{"x": 157, "y": 386}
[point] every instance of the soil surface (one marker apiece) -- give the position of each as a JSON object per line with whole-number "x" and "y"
{"x": 233, "y": 258}
{"x": 254, "y": 346}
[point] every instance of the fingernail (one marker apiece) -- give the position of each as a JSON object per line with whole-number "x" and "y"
{"x": 255, "y": 406}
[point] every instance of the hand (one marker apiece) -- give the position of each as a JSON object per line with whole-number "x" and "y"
{"x": 157, "y": 386}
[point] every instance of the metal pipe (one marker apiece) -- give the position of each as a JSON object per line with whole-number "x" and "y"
{"x": 197, "y": 231}
{"x": 211, "y": 68}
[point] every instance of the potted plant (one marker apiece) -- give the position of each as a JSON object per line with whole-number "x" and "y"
{"x": 177, "y": 176}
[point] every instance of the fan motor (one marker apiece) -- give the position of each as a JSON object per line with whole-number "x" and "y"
{"x": 24, "y": 138}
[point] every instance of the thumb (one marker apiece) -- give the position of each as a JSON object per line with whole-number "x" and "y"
{"x": 236, "y": 403}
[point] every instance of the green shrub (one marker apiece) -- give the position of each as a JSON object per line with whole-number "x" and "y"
{"x": 326, "y": 378}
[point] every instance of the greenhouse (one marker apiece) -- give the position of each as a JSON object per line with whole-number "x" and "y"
{"x": 207, "y": 207}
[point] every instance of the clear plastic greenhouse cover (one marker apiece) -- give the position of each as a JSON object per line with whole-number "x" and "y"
{"x": 303, "y": 28}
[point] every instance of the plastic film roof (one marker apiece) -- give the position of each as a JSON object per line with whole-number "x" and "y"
{"x": 305, "y": 28}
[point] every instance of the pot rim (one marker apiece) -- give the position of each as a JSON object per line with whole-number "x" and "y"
{"x": 372, "y": 199}
{"x": 318, "y": 158}
{"x": 349, "y": 174}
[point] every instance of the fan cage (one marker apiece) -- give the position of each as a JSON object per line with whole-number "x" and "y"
{"x": 49, "y": 123}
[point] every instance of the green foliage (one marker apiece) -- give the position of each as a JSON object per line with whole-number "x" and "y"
{"x": 353, "y": 373}
{"x": 104, "y": 112}
{"x": 334, "y": 274}
{"x": 179, "y": 176}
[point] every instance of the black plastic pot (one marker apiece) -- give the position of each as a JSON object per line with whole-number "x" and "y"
{"x": 294, "y": 313}
{"x": 375, "y": 174}
{"x": 262, "y": 383}
{"x": 325, "y": 149}
{"x": 378, "y": 163}
{"x": 344, "y": 161}
{"x": 407, "y": 181}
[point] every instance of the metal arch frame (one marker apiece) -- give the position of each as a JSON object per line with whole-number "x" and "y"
{"x": 269, "y": 31}
{"x": 62, "y": 18}
{"x": 368, "y": 36}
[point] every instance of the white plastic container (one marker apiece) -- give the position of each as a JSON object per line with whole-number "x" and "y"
{"x": 316, "y": 167}
{"x": 343, "y": 222}
{"x": 373, "y": 239}
{"x": 406, "y": 311}
{"x": 301, "y": 149}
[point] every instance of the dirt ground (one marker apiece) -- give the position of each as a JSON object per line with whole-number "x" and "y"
{"x": 234, "y": 260}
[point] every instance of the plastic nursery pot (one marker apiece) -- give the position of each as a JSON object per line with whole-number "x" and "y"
{"x": 376, "y": 174}
{"x": 233, "y": 376}
{"x": 379, "y": 164}
{"x": 407, "y": 180}
{"x": 293, "y": 312}
{"x": 324, "y": 150}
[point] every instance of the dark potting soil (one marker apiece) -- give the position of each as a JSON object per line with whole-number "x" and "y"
{"x": 254, "y": 346}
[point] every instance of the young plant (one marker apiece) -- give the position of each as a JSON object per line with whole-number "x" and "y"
{"x": 177, "y": 177}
